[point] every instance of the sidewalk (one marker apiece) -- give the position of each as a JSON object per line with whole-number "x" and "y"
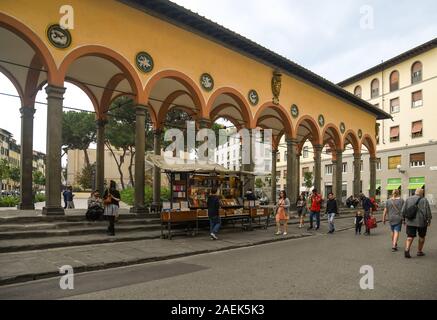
{"x": 31, "y": 265}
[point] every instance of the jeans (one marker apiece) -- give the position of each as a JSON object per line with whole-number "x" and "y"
{"x": 331, "y": 217}
{"x": 214, "y": 224}
{"x": 317, "y": 215}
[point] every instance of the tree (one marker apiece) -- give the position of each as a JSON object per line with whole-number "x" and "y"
{"x": 15, "y": 174}
{"x": 4, "y": 169}
{"x": 308, "y": 179}
{"x": 38, "y": 178}
{"x": 86, "y": 177}
{"x": 259, "y": 183}
{"x": 78, "y": 132}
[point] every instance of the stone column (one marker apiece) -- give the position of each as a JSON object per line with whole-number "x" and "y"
{"x": 55, "y": 96}
{"x": 298, "y": 172}
{"x": 249, "y": 167}
{"x": 274, "y": 159}
{"x": 291, "y": 171}
{"x": 204, "y": 123}
{"x": 357, "y": 173}
{"x": 318, "y": 167}
{"x": 338, "y": 177}
{"x": 140, "y": 147}
{"x": 26, "y": 159}
{"x": 157, "y": 171}
{"x": 373, "y": 161}
{"x": 100, "y": 155}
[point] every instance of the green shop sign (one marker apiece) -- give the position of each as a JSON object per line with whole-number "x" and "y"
{"x": 416, "y": 183}
{"x": 393, "y": 184}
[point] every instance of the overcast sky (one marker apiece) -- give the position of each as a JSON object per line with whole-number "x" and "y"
{"x": 326, "y": 37}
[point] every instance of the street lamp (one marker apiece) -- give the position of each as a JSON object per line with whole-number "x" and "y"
{"x": 399, "y": 167}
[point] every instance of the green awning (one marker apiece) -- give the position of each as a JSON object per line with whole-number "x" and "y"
{"x": 416, "y": 183}
{"x": 378, "y": 185}
{"x": 393, "y": 184}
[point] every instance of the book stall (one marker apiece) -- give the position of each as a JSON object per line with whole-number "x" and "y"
{"x": 190, "y": 185}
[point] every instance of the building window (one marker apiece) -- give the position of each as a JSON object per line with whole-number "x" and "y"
{"x": 394, "y": 105}
{"x": 417, "y": 99}
{"x": 358, "y": 91}
{"x": 378, "y": 164}
{"x": 285, "y": 174}
{"x": 328, "y": 169}
{"x": 417, "y": 129}
{"x": 278, "y": 158}
{"x": 417, "y": 160}
{"x": 361, "y": 165}
{"x": 305, "y": 152}
{"x": 374, "y": 88}
{"x": 285, "y": 156}
{"x": 416, "y": 72}
{"x": 394, "y": 162}
{"x": 394, "y": 81}
{"x": 394, "y": 134}
{"x": 344, "y": 166}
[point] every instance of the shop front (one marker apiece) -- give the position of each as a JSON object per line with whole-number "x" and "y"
{"x": 416, "y": 183}
{"x": 393, "y": 184}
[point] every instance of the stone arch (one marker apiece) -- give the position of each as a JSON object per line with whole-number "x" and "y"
{"x": 370, "y": 144}
{"x": 191, "y": 87}
{"x": 110, "y": 55}
{"x": 312, "y": 127}
{"x": 283, "y": 115}
{"x": 351, "y": 138}
{"x": 334, "y": 136}
{"x": 242, "y": 107}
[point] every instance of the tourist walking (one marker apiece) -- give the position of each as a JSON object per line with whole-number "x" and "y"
{"x": 301, "y": 206}
{"x": 213, "y": 204}
{"x": 316, "y": 202}
{"x": 417, "y": 214}
{"x": 358, "y": 222}
{"x": 282, "y": 213}
{"x": 393, "y": 210}
{"x": 69, "y": 197}
{"x": 331, "y": 211}
{"x": 111, "y": 200}
{"x": 367, "y": 207}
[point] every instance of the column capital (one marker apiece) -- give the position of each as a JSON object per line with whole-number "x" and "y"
{"x": 101, "y": 122}
{"x": 373, "y": 159}
{"x": 275, "y": 151}
{"x": 291, "y": 141}
{"x": 334, "y": 161}
{"x": 204, "y": 123}
{"x": 55, "y": 92}
{"x": 27, "y": 111}
{"x": 140, "y": 110}
{"x": 318, "y": 147}
{"x": 339, "y": 152}
{"x": 357, "y": 156}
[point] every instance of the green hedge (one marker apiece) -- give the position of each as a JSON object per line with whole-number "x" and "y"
{"x": 39, "y": 197}
{"x": 127, "y": 195}
{"x": 9, "y": 201}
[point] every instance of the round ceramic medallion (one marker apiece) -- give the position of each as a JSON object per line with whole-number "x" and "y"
{"x": 294, "y": 111}
{"x": 58, "y": 37}
{"x": 207, "y": 82}
{"x": 360, "y": 133}
{"x": 253, "y": 97}
{"x": 144, "y": 62}
{"x": 321, "y": 120}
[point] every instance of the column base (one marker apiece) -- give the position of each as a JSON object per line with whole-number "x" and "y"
{"x": 53, "y": 211}
{"x": 139, "y": 210}
{"x": 23, "y": 206}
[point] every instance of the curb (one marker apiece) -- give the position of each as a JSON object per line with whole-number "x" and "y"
{"x": 117, "y": 264}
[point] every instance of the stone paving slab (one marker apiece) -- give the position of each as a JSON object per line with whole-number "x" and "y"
{"x": 37, "y": 264}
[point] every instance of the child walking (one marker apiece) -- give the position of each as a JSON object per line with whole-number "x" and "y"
{"x": 358, "y": 222}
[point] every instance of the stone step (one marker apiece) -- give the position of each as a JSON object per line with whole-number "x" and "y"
{"x": 98, "y": 229}
{"x": 29, "y": 244}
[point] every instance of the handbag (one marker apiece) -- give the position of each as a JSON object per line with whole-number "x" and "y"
{"x": 371, "y": 223}
{"x": 108, "y": 199}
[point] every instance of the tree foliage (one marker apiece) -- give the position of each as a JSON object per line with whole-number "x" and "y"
{"x": 308, "y": 179}
{"x": 15, "y": 174}
{"x": 78, "y": 131}
{"x": 4, "y": 169}
{"x": 86, "y": 177}
{"x": 38, "y": 178}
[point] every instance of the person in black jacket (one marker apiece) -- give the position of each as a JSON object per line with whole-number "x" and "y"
{"x": 331, "y": 211}
{"x": 111, "y": 199}
{"x": 213, "y": 204}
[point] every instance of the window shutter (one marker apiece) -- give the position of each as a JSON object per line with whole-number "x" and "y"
{"x": 417, "y": 157}
{"x": 417, "y": 127}
{"x": 394, "y": 132}
{"x": 417, "y": 96}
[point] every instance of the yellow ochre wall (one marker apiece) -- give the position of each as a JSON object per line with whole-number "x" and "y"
{"x": 128, "y": 31}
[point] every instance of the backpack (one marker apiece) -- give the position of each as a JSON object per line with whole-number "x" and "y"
{"x": 411, "y": 212}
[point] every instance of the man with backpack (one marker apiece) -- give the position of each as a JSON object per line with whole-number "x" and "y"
{"x": 417, "y": 214}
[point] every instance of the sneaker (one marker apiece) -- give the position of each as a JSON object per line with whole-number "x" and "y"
{"x": 278, "y": 233}
{"x": 420, "y": 254}
{"x": 394, "y": 249}
{"x": 407, "y": 254}
{"x": 213, "y": 236}
{"x": 285, "y": 233}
